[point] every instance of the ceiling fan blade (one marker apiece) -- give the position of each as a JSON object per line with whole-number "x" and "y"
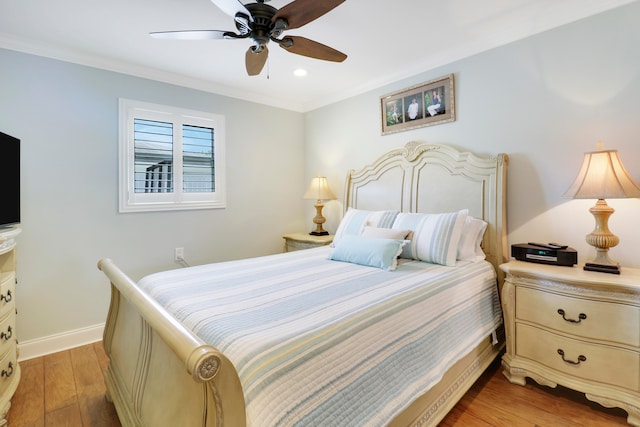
{"x": 305, "y": 47}
{"x": 301, "y": 12}
{"x": 232, "y": 7}
{"x": 255, "y": 60}
{"x": 189, "y": 35}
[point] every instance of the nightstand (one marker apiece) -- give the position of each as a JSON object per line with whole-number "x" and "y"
{"x": 576, "y": 328}
{"x": 297, "y": 241}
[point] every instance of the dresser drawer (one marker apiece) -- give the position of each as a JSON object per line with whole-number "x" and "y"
{"x": 7, "y": 334}
{"x": 7, "y": 294}
{"x": 606, "y": 321}
{"x": 7, "y": 278}
{"x": 9, "y": 371}
{"x": 604, "y": 364}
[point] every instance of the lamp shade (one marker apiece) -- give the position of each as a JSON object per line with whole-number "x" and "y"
{"x": 319, "y": 189}
{"x": 603, "y": 176}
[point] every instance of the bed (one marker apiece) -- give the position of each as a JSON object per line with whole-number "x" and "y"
{"x": 334, "y": 336}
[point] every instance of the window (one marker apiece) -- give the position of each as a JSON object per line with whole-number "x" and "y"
{"x": 170, "y": 158}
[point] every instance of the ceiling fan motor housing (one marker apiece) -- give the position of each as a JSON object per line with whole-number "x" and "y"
{"x": 261, "y": 28}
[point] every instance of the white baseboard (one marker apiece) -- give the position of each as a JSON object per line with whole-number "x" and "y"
{"x": 59, "y": 342}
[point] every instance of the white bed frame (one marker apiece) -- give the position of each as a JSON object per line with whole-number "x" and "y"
{"x": 161, "y": 374}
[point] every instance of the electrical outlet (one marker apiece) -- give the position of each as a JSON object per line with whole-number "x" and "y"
{"x": 178, "y": 254}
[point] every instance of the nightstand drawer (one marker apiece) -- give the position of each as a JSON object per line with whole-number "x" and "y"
{"x": 299, "y": 241}
{"x": 604, "y": 364}
{"x": 606, "y": 321}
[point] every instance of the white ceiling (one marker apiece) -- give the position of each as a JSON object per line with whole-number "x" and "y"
{"x": 385, "y": 41}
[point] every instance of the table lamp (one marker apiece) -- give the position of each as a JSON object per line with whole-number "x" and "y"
{"x": 319, "y": 191}
{"x": 602, "y": 176}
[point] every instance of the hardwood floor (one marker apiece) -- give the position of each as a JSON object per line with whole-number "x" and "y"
{"x": 63, "y": 389}
{"x": 494, "y": 401}
{"x": 66, "y": 389}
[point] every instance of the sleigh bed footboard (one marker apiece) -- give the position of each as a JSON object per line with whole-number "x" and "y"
{"x": 160, "y": 373}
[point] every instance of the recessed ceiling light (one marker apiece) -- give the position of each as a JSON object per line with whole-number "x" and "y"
{"x": 299, "y": 72}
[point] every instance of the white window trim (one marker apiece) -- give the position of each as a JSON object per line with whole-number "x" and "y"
{"x": 129, "y": 201}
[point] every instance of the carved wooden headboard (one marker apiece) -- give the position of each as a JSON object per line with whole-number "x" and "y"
{"x": 435, "y": 178}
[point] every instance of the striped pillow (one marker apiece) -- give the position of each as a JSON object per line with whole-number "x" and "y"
{"x": 355, "y": 220}
{"x": 435, "y": 237}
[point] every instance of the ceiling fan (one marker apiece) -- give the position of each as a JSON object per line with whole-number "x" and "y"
{"x": 263, "y": 23}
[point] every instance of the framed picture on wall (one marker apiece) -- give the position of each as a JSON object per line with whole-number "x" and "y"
{"x": 427, "y": 104}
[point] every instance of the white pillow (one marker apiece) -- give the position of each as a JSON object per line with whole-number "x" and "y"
{"x": 355, "y": 220}
{"x": 385, "y": 233}
{"x": 435, "y": 236}
{"x": 469, "y": 248}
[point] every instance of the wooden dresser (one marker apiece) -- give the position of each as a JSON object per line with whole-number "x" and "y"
{"x": 576, "y": 328}
{"x": 9, "y": 369}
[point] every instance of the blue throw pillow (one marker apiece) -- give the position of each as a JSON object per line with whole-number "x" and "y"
{"x": 370, "y": 251}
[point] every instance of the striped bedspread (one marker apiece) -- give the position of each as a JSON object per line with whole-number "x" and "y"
{"x": 327, "y": 343}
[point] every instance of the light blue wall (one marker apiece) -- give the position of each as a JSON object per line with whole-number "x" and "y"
{"x": 67, "y": 118}
{"x": 544, "y": 100}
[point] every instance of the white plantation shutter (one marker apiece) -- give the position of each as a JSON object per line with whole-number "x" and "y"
{"x": 198, "y": 166}
{"x": 170, "y": 158}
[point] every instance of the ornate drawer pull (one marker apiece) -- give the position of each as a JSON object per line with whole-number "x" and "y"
{"x": 581, "y": 316}
{"x": 6, "y": 298}
{"x": 7, "y": 335}
{"x": 8, "y": 373}
{"x": 581, "y": 358}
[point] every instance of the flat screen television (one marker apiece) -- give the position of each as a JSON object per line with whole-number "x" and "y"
{"x": 9, "y": 180}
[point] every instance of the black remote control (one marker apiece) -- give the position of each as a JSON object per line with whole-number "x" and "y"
{"x": 548, "y": 245}
{"x": 559, "y": 246}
